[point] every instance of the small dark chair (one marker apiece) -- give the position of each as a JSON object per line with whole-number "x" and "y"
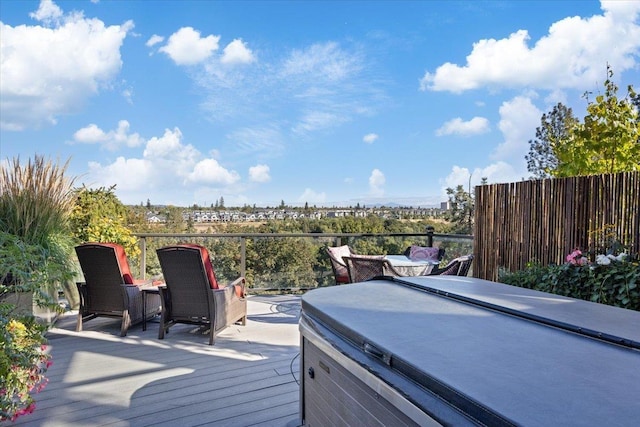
{"x": 365, "y": 267}
{"x": 338, "y": 266}
{"x": 457, "y": 267}
{"x": 109, "y": 288}
{"x": 192, "y": 294}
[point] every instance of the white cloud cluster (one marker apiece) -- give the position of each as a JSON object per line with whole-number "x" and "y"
{"x": 572, "y": 55}
{"x": 316, "y": 88}
{"x": 186, "y": 47}
{"x": 376, "y": 183}
{"x": 475, "y": 126}
{"x": 168, "y": 165}
{"x": 112, "y": 140}
{"x": 51, "y": 69}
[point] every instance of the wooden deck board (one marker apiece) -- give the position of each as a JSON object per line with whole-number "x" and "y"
{"x": 249, "y": 377}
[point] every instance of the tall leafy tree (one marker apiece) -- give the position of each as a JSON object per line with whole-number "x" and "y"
{"x": 554, "y": 128}
{"x": 607, "y": 140}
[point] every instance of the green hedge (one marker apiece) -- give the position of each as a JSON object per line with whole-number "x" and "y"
{"x": 617, "y": 283}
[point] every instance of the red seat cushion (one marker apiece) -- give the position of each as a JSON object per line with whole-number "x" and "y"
{"x": 206, "y": 261}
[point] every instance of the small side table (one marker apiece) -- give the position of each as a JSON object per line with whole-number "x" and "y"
{"x": 146, "y": 291}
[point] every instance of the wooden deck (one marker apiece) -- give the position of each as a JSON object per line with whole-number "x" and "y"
{"x": 248, "y": 378}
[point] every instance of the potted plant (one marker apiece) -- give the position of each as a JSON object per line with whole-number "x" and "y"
{"x": 36, "y": 250}
{"x": 36, "y": 201}
{"x": 23, "y": 356}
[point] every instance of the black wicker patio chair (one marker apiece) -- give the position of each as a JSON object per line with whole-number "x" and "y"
{"x": 192, "y": 294}
{"x": 109, "y": 289}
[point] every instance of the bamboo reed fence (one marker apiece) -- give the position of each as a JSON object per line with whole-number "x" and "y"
{"x": 544, "y": 220}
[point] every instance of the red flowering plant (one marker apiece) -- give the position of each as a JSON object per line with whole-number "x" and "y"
{"x": 576, "y": 257}
{"x": 23, "y": 362}
{"x": 24, "y": 358}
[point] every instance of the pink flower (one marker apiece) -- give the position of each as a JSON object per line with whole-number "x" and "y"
{"x": 576, "y": 258}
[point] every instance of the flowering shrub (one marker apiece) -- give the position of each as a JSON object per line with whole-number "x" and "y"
{"x": 613, "y": 279}
{"x": 23, "y": 362}
{"x": 577, "y": 258}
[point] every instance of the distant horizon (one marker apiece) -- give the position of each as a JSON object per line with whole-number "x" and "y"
{"x": 362, "y": 206}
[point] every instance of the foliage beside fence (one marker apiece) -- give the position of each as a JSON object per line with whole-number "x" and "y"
{"x": 616, "y": 282}
{"x": 540, "y": 221}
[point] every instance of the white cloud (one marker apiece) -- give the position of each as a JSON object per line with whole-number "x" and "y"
{"x": 111, "y": 140}
{"x": 82, "y": 54}
{"x": 154, "y": 40}
{"x": 168, "y": 165}
{"x": 48, "y": 12}
{"x": 324, "y": 85}
{"x": 475, "y": 126}
{"x": 370, "y": 138}
{"x": 237, "y": 52}
{"x": 376, "y": 183}
{"x": 312, "y": 197}
{"x": 209, "y": 171}
{"x": 259, "y": 173}
{"x": 518, "y": 121}
{"x": 186, "y": 47}
{"x": 572, "y": 55}
{"x": 498, "y": 172}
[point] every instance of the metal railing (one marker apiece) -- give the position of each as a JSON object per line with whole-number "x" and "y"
{"x": 299, "y": 262}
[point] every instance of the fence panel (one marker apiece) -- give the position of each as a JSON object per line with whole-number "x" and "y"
{"x": 544, "y": 220}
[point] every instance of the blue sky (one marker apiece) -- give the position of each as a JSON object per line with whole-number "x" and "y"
{"x": 329, "y": 103}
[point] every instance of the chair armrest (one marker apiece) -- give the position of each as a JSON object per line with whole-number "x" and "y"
{"x": 239, "y": 285}
{"x": 390, "y": 270}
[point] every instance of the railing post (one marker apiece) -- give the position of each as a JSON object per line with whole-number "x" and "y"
{"x": 143, "y": 258}
{"x": 243, "y": 256}
{"x": 430, "y": 231}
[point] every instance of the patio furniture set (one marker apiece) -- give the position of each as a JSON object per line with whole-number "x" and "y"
{"x": 350, "y": 267}
{"x": 189, "y": 294}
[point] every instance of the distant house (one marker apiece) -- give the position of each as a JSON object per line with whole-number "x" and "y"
{"x": 154, "y": 218}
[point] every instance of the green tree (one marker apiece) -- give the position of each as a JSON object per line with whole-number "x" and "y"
{"x": 462, "y": 210}
{"x": 607, "y": 141}
{"x": 98, "y": 216}
{"x": 554, "y": 128}
{"x": 175, "y": 223}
